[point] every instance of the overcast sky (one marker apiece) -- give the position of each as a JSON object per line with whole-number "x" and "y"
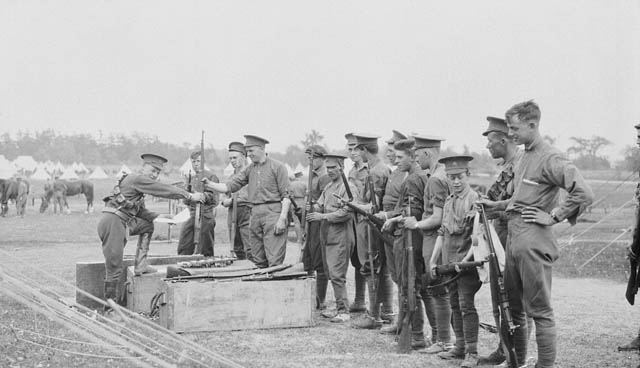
{"x": 281, "y": 68}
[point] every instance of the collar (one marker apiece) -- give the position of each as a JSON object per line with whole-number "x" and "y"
{"x": 513, "y": 159}
{"x": 463, "y": 194}
{"x": 534, "y": 144}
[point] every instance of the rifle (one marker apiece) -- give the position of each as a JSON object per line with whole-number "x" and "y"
{"x": 408, "y": 301}
{"x": 308, "y": 204}
{"x": 457, "y": 267}
{"x": 197, "y": 223}
{"x": 500, "y": 300}
{"x": 234, "y": 220}
{"x": 634, "y": 251}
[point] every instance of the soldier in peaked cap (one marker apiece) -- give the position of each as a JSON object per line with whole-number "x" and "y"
{"x": 633, "y": 254}
{"x": 268, "y": 192}
{"x": 532, "y": 248}
{"x": 125, "y": 210}
{"x": 453, "y": 245}
{"x": 378, "y": 280}
{"x": 437, "y": 189}
{"x": 239, "y": 206}
{"x": 357, "y": 176}
{"x": 186, "y": 245}
{"x": 312, "y": 256}
{"x": 336, "y": 234}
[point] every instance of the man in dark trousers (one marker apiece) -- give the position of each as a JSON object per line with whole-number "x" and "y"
{"x": 124, "y": 209}
{"x": 532, "y": 211}
{"x": 241, "y": 242}
{"x": 186, "y": 244}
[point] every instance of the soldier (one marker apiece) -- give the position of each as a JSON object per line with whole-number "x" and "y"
{"x": 500, "y": 146}
{"x": 531, "y": 246}
{"x": 357, "y": 176}
{"x": 124, "y": 208}
{"x": 633, "y": 252}
{"x": 336, "y": 234}
{"x": 186, "y": 243}
{"x": 241, "y": 239}
{"x": 268, "y": 189}
{"x": 378, "y": 280}
{"x": 312, "y": 255}
{"x": 298, "y": 189}
{"x": 437, "y": 189}
{"x": 411, "y": 194}
{"x": 453, "y": 245}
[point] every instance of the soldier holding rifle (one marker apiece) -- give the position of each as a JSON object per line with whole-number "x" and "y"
{"x": 411, "y": 199}
{"x": 312, "y": 256}
{"x": 239, "y": 207}
{"x": 267, "y": 182}
{"x": 371, "y": 253}
{"x": 336, "y": 233}
{"x": 532, "y": 210}
{"x": 187, "y": 244}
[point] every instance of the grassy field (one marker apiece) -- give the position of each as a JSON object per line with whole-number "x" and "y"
{"x": 592, "y": 316}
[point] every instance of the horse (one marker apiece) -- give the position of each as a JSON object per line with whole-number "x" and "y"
{"x": 16, "y": 190}
{"x": 60, "y": 189}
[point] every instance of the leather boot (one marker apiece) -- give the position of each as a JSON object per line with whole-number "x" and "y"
{"x": 358, "y": 302}
{"x": 141, "y": 265}
{"x": 110, "y": 292}
{"x": 321, "y": 290}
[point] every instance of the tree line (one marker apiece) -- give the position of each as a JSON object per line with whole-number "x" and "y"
{"x": 119, "y": 148}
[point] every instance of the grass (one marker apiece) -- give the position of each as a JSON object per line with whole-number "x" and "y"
{"x": 592, "y": 316}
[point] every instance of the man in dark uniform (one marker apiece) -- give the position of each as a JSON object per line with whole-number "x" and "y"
{"x": 298, "y": 189}
{"x": 410, "y": 203}
{"x": 312, "y": 254}
{"x": 380, "y": 293}
{"x": 336, "y": 234}
{"x": 267, "y": 181}
{"x": 532, "y": 210}
{"x": 124, "y": 210}
{"x": 437, "y": 189}
{"x": 633, "y": 252}
{"x": 241, "y": 243}
{"x": 500, "y": 146}
{"x": 186, "y": 244}
{"x": 357, "y": 176}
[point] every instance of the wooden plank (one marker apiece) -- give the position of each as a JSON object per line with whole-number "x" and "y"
{"x": 141, "y": 289}
{"x": 90, "y": 276}
{"x": 197, "y": 306}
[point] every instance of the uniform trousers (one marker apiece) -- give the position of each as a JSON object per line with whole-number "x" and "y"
{"x": 530, "y": 254}
{"x": 436, "y": 300}
{"x": 384, "y": 285}
{"x": 242, "y": 240}
{"x": 337, "y": 245}
{"x": 267, "y": 248}
{"x": 186, "y": 246}
{"x": 464, "y": 316}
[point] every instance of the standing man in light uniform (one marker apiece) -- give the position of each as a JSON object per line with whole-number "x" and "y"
{"x": 267, "y": 181}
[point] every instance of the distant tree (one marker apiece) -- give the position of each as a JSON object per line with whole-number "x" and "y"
{"x": 586, "y": 152}
{"x": 314, "y": 137}
{"x": 631, "y": 159}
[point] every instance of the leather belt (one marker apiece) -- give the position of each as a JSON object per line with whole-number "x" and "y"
{"x": 123, "y": 215}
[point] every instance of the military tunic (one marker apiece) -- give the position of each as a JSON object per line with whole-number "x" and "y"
{"x": 117, "y": 216}
{"x": 186, "y": 246}
{"x": 268, "y": 184}
{"x": 532, "y": 248}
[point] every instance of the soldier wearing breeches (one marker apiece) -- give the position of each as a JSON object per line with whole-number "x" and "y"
{"x": 531, "y": 246}
{"x": 124, "y": 208}
{"x": 336, "y": 235}
{"x": 186, "y": 244}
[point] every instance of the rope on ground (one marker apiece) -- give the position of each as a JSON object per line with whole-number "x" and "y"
{"x": 573, "y": 237}
{"x": 602, "y": 250}
{"x": 29, "y": 332}
{"x": 74, "y": 352}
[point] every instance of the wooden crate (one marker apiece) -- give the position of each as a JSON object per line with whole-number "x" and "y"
{"x": 141, "y": 289}
{"x": 196, "y": 305}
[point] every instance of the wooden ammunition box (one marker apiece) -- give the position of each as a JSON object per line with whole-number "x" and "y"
{"x": 141, "y": 289}
{"x": 198, "y": 305}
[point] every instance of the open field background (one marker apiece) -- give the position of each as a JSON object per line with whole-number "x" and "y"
{"x": 592, "y": 316}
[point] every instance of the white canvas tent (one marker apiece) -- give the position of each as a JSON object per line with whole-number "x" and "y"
{"x": 69, "y": 173}
{"x": 25, "y": 163}
{"x": 7, "y": 169}
{"x": 98, "y": 173}
{"x": 289, "y": 169}
{"x": 300, "y": 168}
{"x": 124, "y": 169}
{"x": 40, "y": 173}
{"x": 82, "y": 168}
{"x": 228, "y": 171}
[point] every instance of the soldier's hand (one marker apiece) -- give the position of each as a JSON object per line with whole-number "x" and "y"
{"x": 381, "y": 215}
{"x": 198, "y": 197}
{"x": 487, "y": 203}
{"x": 538, "y": 216}
{"x": 433, "y": 268}
{"x": 410, "y": 222}
{"x": 227, "y": 202}
{"x": 388, "y": 224}
{"x": 315, "y": 216}
{"x": 281, "y": 226}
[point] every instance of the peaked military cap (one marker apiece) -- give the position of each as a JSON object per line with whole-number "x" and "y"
{"x": 426, "y": 141}
{"x": 154, "y": 160}
{"x": 334, "y": 160}
{"x": 351, "y": 139}
{"x": 195, "y": 154}
{"x": 237, "y": 147}
{"x": 637, "y": 126}
{"x": 254, "y": 140}
{"x": 365, "y": 138}
{"x": 455, "y": 164}
{"x": 404, "y": 144}
{"x": 316, "y": 150}
{"x": 496, "y": 125}
{"x": 396, "y": 137}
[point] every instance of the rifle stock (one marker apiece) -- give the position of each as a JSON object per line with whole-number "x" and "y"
{"x": 456, "y": 267}
{"x": 409, "y": 301}
{"x": 308, "y": 204}
{"x": 500, "y": 300}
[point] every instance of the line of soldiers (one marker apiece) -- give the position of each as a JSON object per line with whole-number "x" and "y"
{"x": 425, "y": 201}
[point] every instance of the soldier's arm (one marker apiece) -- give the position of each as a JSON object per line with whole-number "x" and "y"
{"x": 211, "y": 196}
{"x": 149, "y": 186}
{"x": 561, "y": 172}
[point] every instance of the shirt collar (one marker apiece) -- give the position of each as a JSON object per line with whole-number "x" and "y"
{"x": 535, "y": 144}
{"x": 463, "y": 194}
